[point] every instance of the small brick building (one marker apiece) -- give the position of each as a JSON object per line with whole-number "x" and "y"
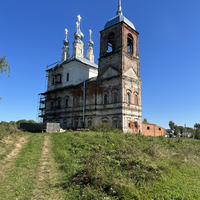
{"x": 81, "y": 93}
{"x": 152, "y": 130}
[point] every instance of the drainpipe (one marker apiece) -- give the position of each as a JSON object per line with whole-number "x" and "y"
{"x": 83, "y": 104}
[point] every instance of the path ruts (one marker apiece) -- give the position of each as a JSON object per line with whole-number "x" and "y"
{"x": 5, "y": 163}
{"x": 47, "y": 176}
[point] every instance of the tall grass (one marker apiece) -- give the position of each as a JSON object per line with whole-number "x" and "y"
{"x": 8, "y": 129}
{"x": 113, "y": 165}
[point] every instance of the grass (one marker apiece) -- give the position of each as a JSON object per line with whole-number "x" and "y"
{"x": 122, "y": 166}
{"x": 18, "y": 179}
{"x": 103, "y": 165}
{"x": 7, "y": 144}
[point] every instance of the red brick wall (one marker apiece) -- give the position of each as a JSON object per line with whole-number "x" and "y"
{"x": 152, "y": 130}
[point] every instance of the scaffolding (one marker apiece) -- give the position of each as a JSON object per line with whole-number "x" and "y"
{"x": 41, "y": 108}
{"x": 42, "y": 97}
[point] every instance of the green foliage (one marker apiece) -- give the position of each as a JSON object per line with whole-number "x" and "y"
{"x": 4, "y": 66}
{"x": 113, "y": 165}
{"x": 171, "y": 125}
{"x": 103, "y": 127}
{"x": 181, "y": 128}
{"x": 25, "y": 121}
{"x": 32, "y": 121}
{"x": 197, "y": 126}
{"x": 176, "y": 130}
{"x": 8, "y": 128}
{"x": 196, "y": 134}
{"x": 145, "y": 120}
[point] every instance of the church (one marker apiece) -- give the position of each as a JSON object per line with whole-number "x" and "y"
{"x": 81, "y": 93}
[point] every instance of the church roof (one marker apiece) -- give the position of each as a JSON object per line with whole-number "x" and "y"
{"x": 82, "y": 60}
{"x": 117, "y": 19}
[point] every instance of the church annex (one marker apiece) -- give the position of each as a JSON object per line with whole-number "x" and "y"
{"x": 81, "y": 93}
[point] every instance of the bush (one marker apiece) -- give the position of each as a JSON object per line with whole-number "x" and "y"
{"x": 8, "y": 129}
{"x": 103, "y": 127}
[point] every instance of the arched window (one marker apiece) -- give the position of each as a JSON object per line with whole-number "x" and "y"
{"x": 74, "y": 102}
{"x": 135, "y": 99}
{"x": 89, "y": 123}
{"x": 105, "y": 99}
{"x": 130, "y": 43}
{"x": 111, "y": 43}
{"x": 52, "y": 104}
{"x": 59, "y": 100}
{"x": 115, "y": 97}
{"x": 67, "y": 77}
{"x": 128, "y": 98}
{"x": 66, "y": 103}
{"x": 64, "y": 124}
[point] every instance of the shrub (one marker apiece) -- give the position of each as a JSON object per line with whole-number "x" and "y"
{"x": 104, "y": 127}
{"x": 8, "y": 129}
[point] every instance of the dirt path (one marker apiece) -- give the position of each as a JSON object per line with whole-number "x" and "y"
{"x": 5, "y": 163}
{"x": 47, "y": 175}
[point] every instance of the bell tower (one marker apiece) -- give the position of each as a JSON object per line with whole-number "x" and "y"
{"x": 119, "y": 64}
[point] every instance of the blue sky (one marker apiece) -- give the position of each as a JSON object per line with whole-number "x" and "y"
{"x": 169, "y": 47}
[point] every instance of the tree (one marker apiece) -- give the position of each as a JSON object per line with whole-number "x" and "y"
{"x": 32, "y": 121}
{"x": 25, "y": 121}
{"x": 145, "y": 120}
{"x": 21, "y": 121}
{"x": 171, "y": 125}
{"x": 176, "y": 130}
{"x": 197, "y": 126}
{"x": 181, "y": 128}
{"x": 4, "y": 66}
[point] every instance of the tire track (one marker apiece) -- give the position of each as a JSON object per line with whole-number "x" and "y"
{"x": 47, "y": 175}
{"x": 6, "y": 162}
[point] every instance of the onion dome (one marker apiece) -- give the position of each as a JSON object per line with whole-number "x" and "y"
{"x": 90, "y": 43}
{"x": 78, "y": 35}
{"x": 66, "y": 41}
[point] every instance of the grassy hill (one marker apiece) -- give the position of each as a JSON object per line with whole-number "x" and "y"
{"x": 113, "y": 165}
{"x": 98, "y": 165}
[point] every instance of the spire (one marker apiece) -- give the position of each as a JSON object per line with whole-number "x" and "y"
{"x": 119, "y": 12}
{"x": 90, "y": 43}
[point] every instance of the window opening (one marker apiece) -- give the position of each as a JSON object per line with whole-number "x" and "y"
{"x": 75, "y": 102}
{"x": 129, "y": 125}
{"x": 67, "y": 76}
{"x": 51, "y": 104}
{"x": 66, "y": 103}
{"x": 159, "y": 129}
{"x": 136, "y": 124}
{"x": 111, "y": 43}
{"x": 128, "y": 98}
{"x": 65, "y": 124}
{"x": 115, "y": 97}
{"x": 58, "y": 103}
{"x": 59, "y": 79}
{"x": 148, "y": 128}
{"x": 136, "y": 99}
{"x": 89, "y": 123}
{"x": 130, "y": 43}
{"x": 105, "y": 99}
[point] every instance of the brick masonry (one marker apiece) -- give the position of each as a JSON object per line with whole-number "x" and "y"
{"x": 114, "y": 96}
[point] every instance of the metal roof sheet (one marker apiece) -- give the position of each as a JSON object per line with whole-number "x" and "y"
{"x": 117, "y": 19}
{"x": 82, "y": 60}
